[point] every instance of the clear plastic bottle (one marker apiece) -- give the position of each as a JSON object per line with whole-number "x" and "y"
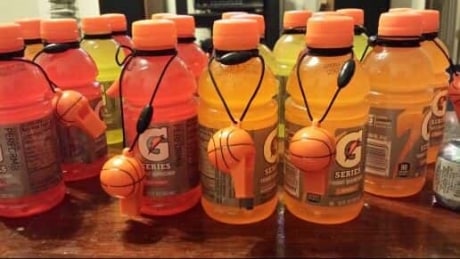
{"x": 237, "y": 84}
{"x": 30, "y": 30}
{"x": 397, "y": 134}
{"x": 30, "y": 174}
{"x": 82, "y": 156}
{"x": 338, "y": 197}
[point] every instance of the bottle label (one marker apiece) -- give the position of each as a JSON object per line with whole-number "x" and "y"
{"x": 78, "y": 147}
{"x": 217, "y": 186}
{"x": 446, "y": 181}
{"x": 110, "y": 111}
{"x": 397, "y": 142}
{"x": 438, "y": 112}
{"x": 344, "y": 181}
{"x": 28, "y": 158}
{"x": 169, "y": 154}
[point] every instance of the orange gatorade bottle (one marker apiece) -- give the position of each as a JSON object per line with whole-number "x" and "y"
{"x": 360, "y": 38}
{"x": 398, "y": 128}
{"x": 82, "y": 154}
{"x": 326, "y": 113}
{"x": 238, "y": 127}
{"x": 30, "y": 175}
{"x": 155, "y": 82}
{"x": 30, "y": 30}
{"x": 119, "y": 29}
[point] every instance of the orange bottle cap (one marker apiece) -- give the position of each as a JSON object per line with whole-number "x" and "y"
{"x": 117, "y": 21}
{"x": 229, "y": 34}
{"x": 185, "y": 24}
{"x": 96, "y": 25}
{"x": 228, "y": 15}
{"x": 355, "y": 13}
{"x": 430, "y": 20}
{"x": 10, "y": 37}
{"x": 256, "y": 17}
{"x": 400, "y": 9}
{"x": 30, "y": 28}
{"x": 330, "y": 31}
{"x": 322, "y": 13}
{"x": 161, "y": 15}
{"x": 154, "y": 34}
{"x": 296, "y": 18}
{"x": 400, "y": 24}
{"x": 59, "y": 30}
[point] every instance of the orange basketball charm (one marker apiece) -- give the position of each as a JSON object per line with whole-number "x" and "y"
{"x": 232, "y": 150}
{"x": 312, "y": 149}
{"x": 72, "y": 108}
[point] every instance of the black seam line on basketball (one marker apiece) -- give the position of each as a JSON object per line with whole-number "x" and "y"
{"x": 134, "y": 167}
{"x": 68, "y": 109}
{"x": 233, "y": 145}
{"x": 320, "y": 140}
{"x": 228, "y": 146}
{"x": 125, "y": 185}
{"x": 323, "y": 156}
{"x": 222, "y": 153}
{"x": 126, "y": 172}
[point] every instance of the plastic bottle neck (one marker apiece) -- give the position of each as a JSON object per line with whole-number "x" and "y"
{"x": 104, "y": 36}
{"x": 329, "y": 52}
{"x": 398, "y": 41}
{"x": 186, "y": 39}
{"x": 295, "y": 30}
{"x": 32, "y": 41}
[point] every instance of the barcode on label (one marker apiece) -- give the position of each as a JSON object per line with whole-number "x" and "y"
{"x": 378, "y": 157}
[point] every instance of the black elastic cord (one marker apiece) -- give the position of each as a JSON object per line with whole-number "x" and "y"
{"x": 451, "y": 69}
{"x": 12, "y": 55}
{"x": 359, "y": 29}
{"x": 97, "y": 36}
{"x": 183, "y": 40}
{"x": 392, "y": 41}
{"x": 430, "y": 36}
{"x": 251, "y": 99}
{"x": 32, "y": 41}
{"x": 295, "y": 30}
{"x": 56, "y": 48}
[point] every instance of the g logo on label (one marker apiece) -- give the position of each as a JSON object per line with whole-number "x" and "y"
{"x": 349, "y": 149}
{"x": 153, "y": 144}
{"x": 439, "y": 104}
{"x": 271, "y": 147}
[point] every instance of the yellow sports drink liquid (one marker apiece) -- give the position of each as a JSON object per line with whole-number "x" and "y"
{"x": 432, "y": 47}
{"x": 286, "y": 51}
{"x": 398, "y": 128}
{"x": 237, "y": 92}
{"x": 360, "y": 38}
{"x": 30, "y": 30}
{"x": 98, "y": 42}
{"x": 328, "y": 189}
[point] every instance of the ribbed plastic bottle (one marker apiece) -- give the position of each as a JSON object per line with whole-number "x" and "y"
{"x": 227, "y": 197}
{"x": 360, "y": 38}
{"x": 168, "y": 148}
{"x": 30, "y": 30}
{"x": 332, "y": 193}
{"x": 82, "y": 156}
{"x": 119, "y": 28}
{"x": 30, "y": 174}
{"x": 400, "y": 97}
{"x": 98, "y": 43}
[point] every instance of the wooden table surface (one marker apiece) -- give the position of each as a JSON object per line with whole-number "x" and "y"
{"x": 87, "y": 224}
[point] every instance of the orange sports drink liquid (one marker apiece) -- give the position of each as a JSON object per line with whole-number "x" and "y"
{"x": 195, "y": 59}
{"x": 30, "y": 174}
{"x": 99, "y": 44}
{"x": 247, "y": 88}
{"x": 434, "y": 49}
{"x": 333, "y": 192}
{"x": 168, "y": 148}
{"x": 360, "y": 38}
{"x": 30, "y": 30}
{"x": 81, "y": 156}
{"x": 398, "y": 129}
{"x": 119, "y": 29}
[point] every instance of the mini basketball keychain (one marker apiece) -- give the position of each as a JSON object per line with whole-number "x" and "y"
{"x": 231, "y": 149}
{"x": 312, "y": 148}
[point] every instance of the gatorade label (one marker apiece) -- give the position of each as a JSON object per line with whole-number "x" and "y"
{"x": 169, "y": 154}
{"x": 344, "y": 180}
{"x": 397, "y": 142}
{"x": 77, "y": 147}
{"x": 438, "y": 112}
{"x": 217, "y": 186}
{"x": 28, "y": 158}
{"x": 110, "y": 111}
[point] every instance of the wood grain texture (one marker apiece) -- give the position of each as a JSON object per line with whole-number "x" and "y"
{"x": 87, "y": 224}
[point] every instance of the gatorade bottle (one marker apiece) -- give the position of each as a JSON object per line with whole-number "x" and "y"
{"x": 333, "y": 192}
{"x": 30, "y": 30}
{"x": 286, "y": 51}
{"x": 119, "y": 29}
{"x": 168, "y": 148}
{"x": 360, "y": 39}
{"x": 432, "y": 47}
{"x": 98, "y": 42}
{"x": 195, "y": 59}
{"x": 247, "y": 89}
{"x": 30, "y": 173}
{"x": 397, "y": 133}
{"x": 264, "y": 50}
{"x": 82, "y": 156}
